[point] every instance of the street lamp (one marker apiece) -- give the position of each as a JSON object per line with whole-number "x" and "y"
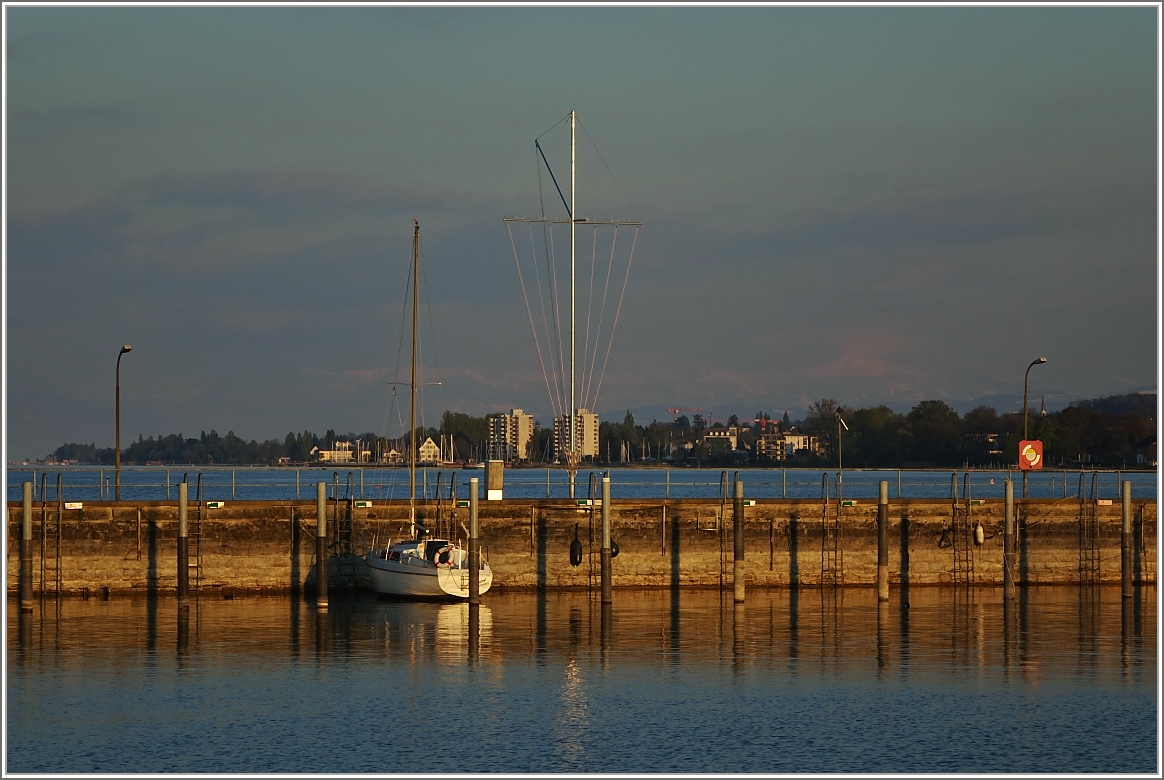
{"x": 117, "y": 425}
{"x": 840, "y": 422}
{"x": 1026, "y": 376}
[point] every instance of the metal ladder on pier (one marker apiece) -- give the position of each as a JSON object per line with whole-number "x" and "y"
{"x": 1089, "y": 569}
{"x": 726, "y": 551}
{"x": 50, "y": 539}
{"x": 343, "y": 512}
{"x": 962, "y": 530}
{"x": 593, "y": 573}
{"x": 832, "y": 563}
{"x": 194, "y": 537}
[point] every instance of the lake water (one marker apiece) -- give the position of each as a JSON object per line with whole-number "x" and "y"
{"x": 1064, "y": 680}
{"x": 263, "y": 483}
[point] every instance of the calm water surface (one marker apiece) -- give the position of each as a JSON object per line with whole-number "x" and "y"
{"x": 88, "y": 483}
{"x": 661, "y": 681}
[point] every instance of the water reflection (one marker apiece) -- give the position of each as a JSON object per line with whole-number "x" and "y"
{"x": 572, "y": 716}
{"x": 577, "y": 683}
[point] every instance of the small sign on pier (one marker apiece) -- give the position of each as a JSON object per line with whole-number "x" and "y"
{"x": 215, "y": 504}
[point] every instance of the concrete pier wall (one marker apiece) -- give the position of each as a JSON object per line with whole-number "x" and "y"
{"x": 270, "y": 546}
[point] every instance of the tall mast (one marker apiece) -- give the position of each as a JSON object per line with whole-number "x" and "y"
{"x": 573, "y": 224}
{"x": 412, "y": 384}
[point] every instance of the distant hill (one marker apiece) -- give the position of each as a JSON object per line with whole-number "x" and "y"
{"x": 1140, "y": 404}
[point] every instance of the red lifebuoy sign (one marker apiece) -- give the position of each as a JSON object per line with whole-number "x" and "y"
{"x": 1030, "y": 455}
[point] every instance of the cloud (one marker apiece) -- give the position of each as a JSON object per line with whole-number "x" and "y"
{"x": 29, "y": 124}
{"x": 98, "y": 233}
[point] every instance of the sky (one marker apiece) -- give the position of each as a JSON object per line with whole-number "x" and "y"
{"x": 873, "y": 204}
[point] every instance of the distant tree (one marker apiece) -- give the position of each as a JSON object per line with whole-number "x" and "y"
{"x": 698, "y": 424}
{"x": 876, "y": 437}
{"x": 821, "y": 421}
{"x": 541, "y": 445}
{"x": 785, "y": 423}
{"x": 936, "y": 431}
{"x": 982, "y": 420}
{"x": 734, "y": 420}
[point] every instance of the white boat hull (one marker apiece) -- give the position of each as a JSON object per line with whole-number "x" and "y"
{"x": 418, "y": 578}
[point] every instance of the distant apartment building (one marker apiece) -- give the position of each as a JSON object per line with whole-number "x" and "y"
{"x": 510, "y": 435}
{"x": 779, "y": 445}
{"x": 719, "y": 438}
{"x": 585, "y": 434}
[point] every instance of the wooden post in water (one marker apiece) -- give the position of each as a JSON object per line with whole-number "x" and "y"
{"x": 1008, "y": 542}
{"x": 25, "y": 586}
{"x": 1125, "y": 542}
{"x": 604, "y": 552}
{"x": 883, "y": 541}
{"x": 321, "y": 545}
{"x": 738, "y": 541}
{"x": 474, "y": 575}
{"x": 474, "y": 548}
{"x": 183, "y": 545}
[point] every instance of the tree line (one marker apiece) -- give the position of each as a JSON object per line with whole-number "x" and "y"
{"x": 1105, "y": 432}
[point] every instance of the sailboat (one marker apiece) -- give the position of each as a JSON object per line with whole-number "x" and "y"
{"x": 419, "y": 567}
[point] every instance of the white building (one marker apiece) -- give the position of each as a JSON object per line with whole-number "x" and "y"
{"x": 510, "y": 435}
{"x": 343, "y": 453}
{"x": 585, "y": 434}
{"x": 429, "y": 453}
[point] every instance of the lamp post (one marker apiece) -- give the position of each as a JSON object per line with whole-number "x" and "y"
{"x": 1026, "y": 376}
{"x": 840, "y": 423}
{"x": 117, "y": 425}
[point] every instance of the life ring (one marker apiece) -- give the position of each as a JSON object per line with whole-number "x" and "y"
{"x": 445, "y": 553}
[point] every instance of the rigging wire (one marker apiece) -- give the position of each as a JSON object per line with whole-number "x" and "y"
{"x": 589, "y": 310}
{"x": 612, "y": 176}
{"x": 436, "y": 367}
{"x": 554, "y": 126}
{"x": 529, "y": 313}
{"x": 546, "y": 239}
{"x": 630, "y": 259}
{"x": 602, "y": 314}
{"x": 552, "y": 260}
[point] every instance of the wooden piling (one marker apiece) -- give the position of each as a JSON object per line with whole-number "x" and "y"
{"x": 1008, "y": 540}
{"x": 883, "y": 541}
{"x": 474, "y": 630}
{"x": 474, "y": 548}
{"x": 25, "y": 585}
{"x": 321, "y": 545}
{"x": 1126, "y": 542}
{"x": 604, "y": 552}
{"x": 738, "y": 542}
{"x": 183, "y": 545}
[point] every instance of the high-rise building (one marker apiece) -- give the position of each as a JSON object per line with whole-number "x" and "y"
{"x": 510, "y": 435}
{"x": 585, "y": 434}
